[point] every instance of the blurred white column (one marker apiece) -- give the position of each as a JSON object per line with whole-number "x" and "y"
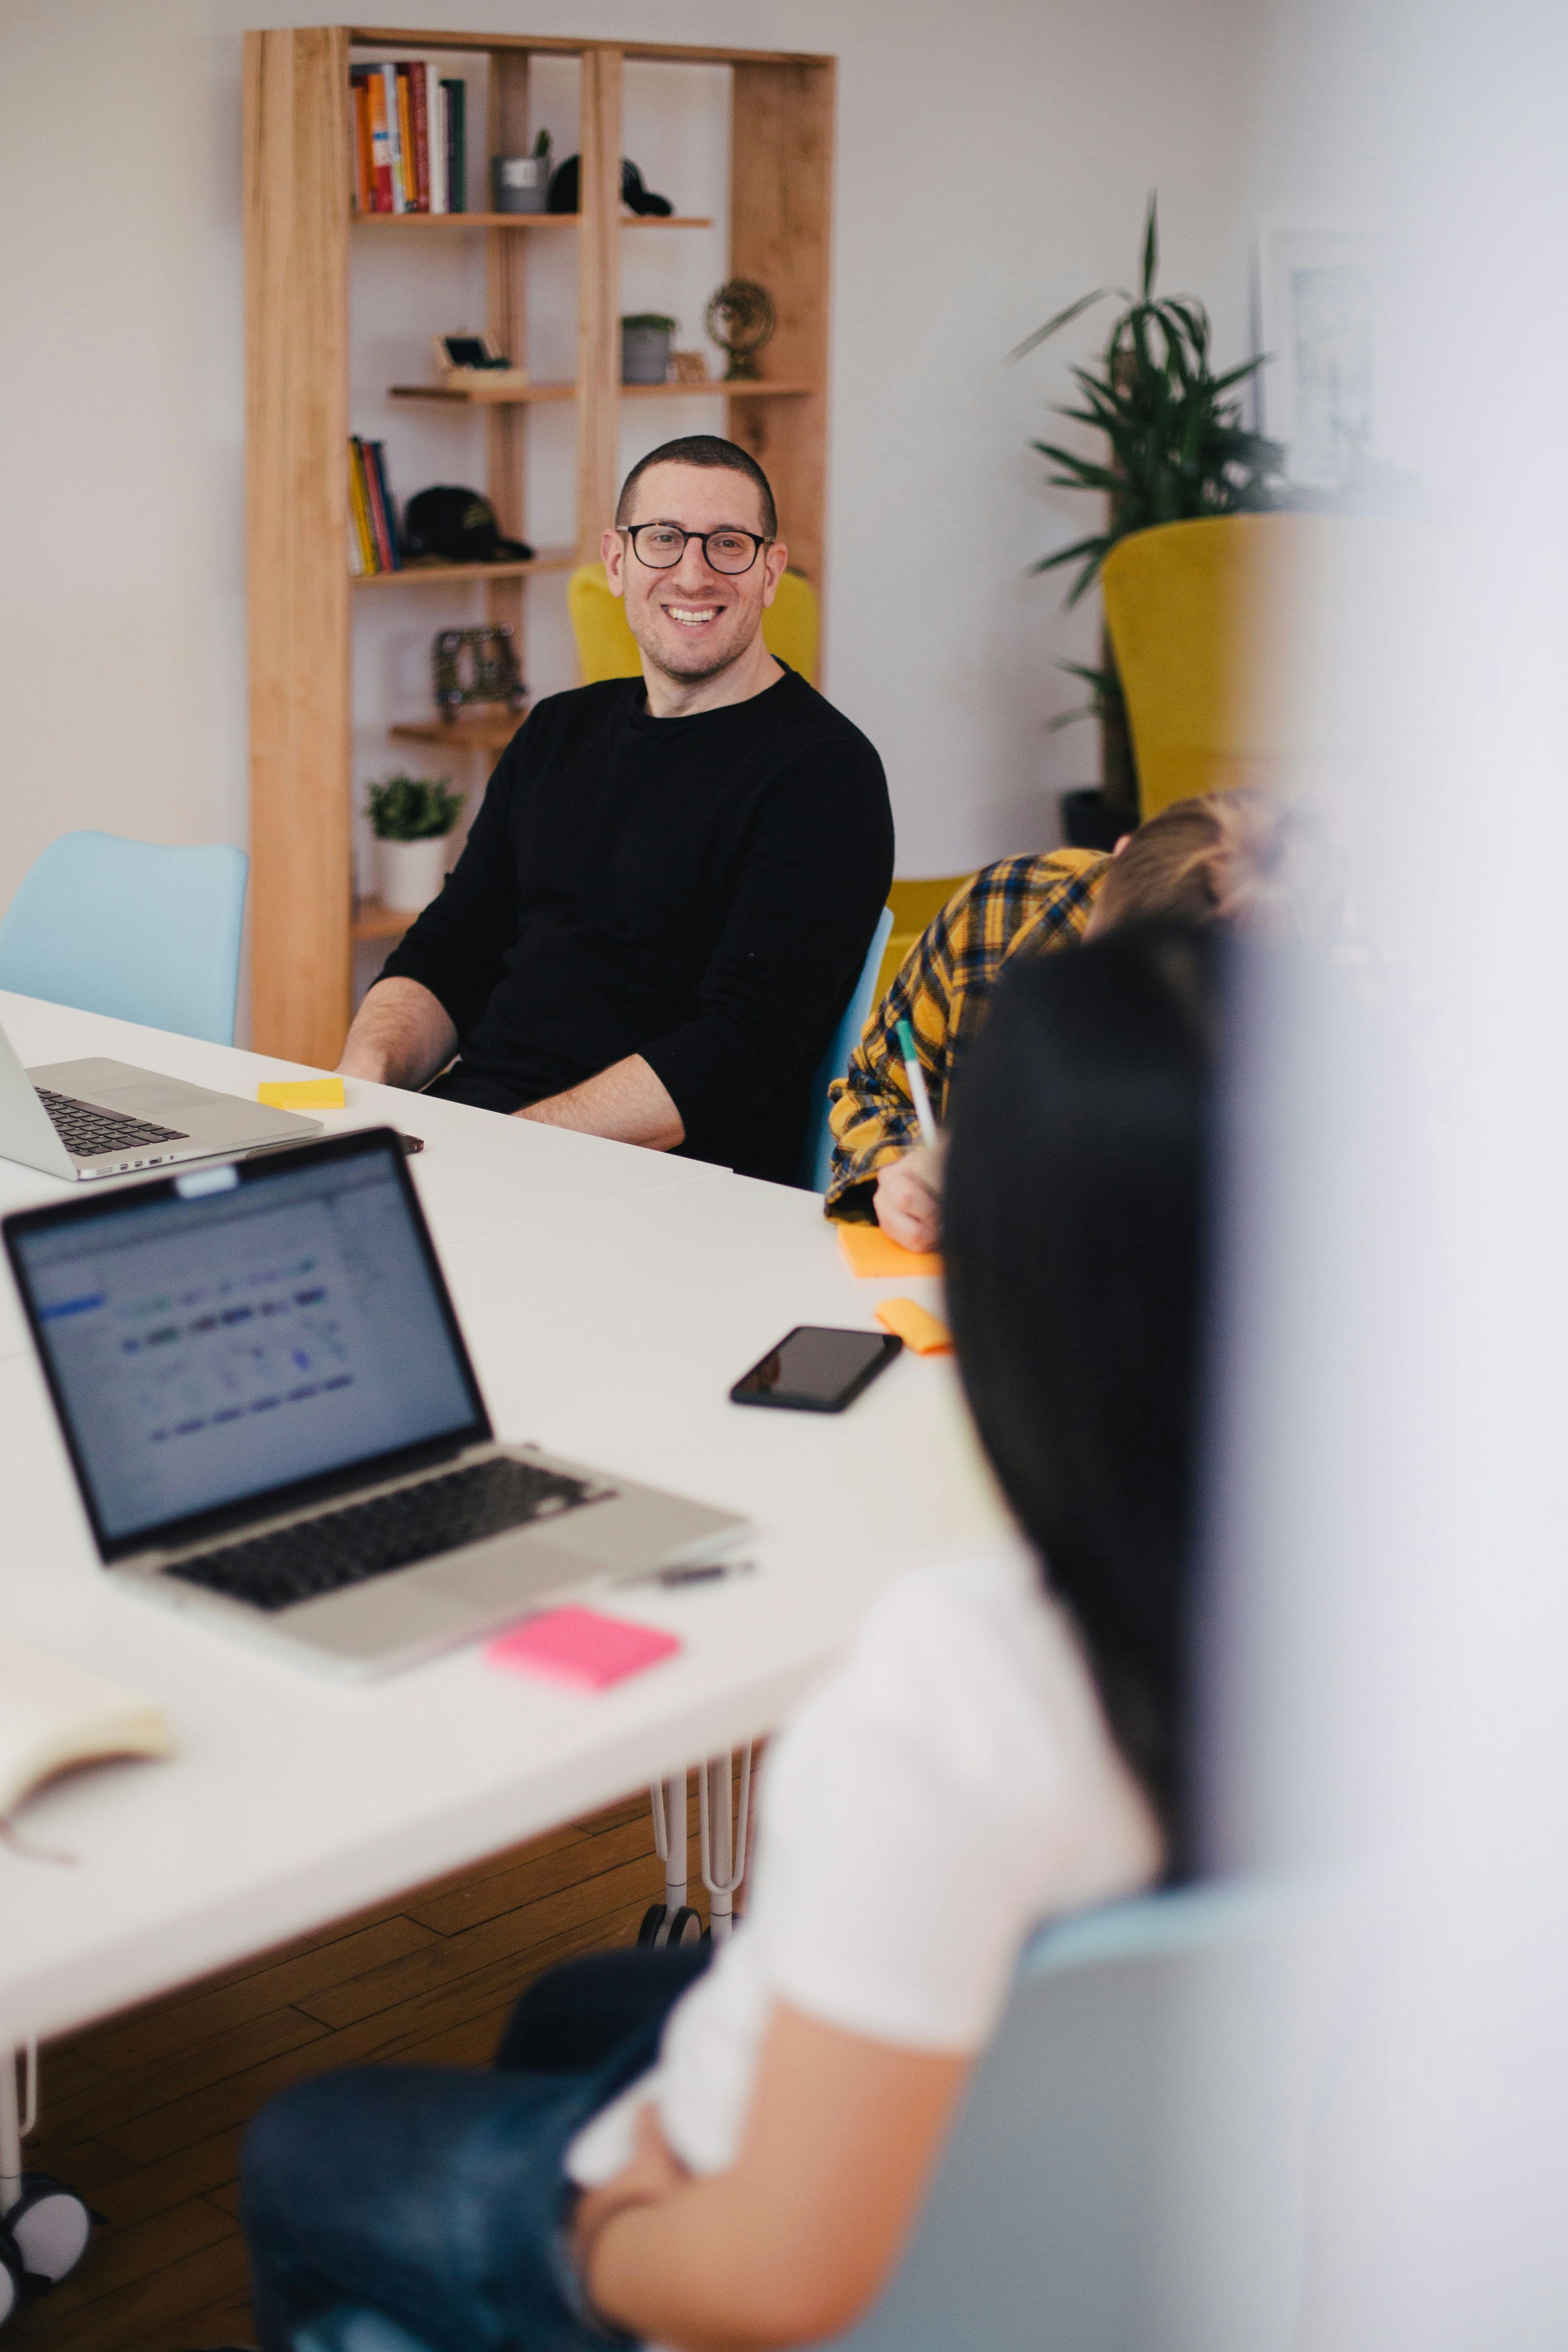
{"x": 1392, "y": 1686}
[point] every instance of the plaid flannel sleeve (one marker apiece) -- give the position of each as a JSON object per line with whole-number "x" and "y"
{"x": 940, "y": 990}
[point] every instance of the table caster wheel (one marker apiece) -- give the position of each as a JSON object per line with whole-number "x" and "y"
{"x": 11, "y": 2268}
{"x": 49, "y": 2226}
{"x": 685, "y": 1927}
{"x": 652, "y": 1921}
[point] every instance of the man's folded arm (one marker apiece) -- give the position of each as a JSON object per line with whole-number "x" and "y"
{"x": 626, "y": 1103}
{"x": 401, "y": 1037}
{"x": 814, "y": 879}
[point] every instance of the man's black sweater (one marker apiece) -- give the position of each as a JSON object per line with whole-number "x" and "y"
{"x": 700, "y": 891}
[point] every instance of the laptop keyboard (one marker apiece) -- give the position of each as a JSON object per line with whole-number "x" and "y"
{"x": 343, "y": 1548}
{"x": 91, "y": 1134}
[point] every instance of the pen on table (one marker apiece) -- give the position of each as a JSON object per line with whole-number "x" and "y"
{"x": 917, "y": 1084}
{"x": 706, "y": 1571}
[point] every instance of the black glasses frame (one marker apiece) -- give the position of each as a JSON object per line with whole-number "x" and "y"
{"x": 730, "y": 531}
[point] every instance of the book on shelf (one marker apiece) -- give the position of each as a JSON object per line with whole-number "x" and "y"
{"x": 365, "y": 160}
{"x": 409, "y": 138}
{"x": 408, "y": 175}
{"x": 419, "y": 111}
{"x": 454, "y": 112}
{"x": 373, "y": 544}
{"x": 435, "y": 110}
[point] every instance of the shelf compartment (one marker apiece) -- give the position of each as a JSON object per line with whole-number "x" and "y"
{"x": 372, "y": 920}
{"x": 419, "y": 574}
{"x": 471, "y": 733}
{"x": 522, "y": 220}
{"x": 745, "y": 390}
{"x": 532, "y": 391}
{"x": 474, "y": 396}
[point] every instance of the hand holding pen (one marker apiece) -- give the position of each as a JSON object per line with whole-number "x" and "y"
{"x": 909, "y": 1194}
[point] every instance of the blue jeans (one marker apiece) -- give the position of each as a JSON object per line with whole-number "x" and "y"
{"x": 438, "y": 2197}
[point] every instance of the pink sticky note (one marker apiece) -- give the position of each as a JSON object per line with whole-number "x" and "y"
{"x": 580, "y": 1647}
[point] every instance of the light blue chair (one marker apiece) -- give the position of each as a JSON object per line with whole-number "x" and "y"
{"x": 134, "y": 928}
{"x": 816, "y": 1161}
{"x": 1125, "y": 2175}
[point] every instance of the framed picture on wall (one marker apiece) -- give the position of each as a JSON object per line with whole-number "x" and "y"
{"x": 1315, "y": 317}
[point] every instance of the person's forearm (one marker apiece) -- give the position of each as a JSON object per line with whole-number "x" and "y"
{"x": 686, "y": 2270}
{"x": 401, "y": 1037}
{"x": 798, "y": 2237}
{"x": 627, "y": 1103}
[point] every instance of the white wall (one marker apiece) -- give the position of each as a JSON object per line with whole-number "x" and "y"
{"x": 993, "y": 161}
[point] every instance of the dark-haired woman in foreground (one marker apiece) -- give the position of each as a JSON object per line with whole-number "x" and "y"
{"x": 735, "y": 2162}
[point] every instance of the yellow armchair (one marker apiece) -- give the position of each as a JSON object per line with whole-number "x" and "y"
{"x": 606, "y": 648}
{"x": 1202, "y": 617}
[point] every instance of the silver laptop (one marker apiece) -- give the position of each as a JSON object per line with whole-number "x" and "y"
{"x": 274, "y": 1423}
{"x": 97, "y": 1118}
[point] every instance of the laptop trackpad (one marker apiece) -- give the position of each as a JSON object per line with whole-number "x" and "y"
{"x": 508, "y": 1578}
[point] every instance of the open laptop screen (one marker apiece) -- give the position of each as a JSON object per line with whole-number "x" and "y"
{"x": 236, "y": 1332}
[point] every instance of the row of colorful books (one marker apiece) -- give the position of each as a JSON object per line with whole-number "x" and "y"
{"x": 373, "y": 519}
{"x": 410, "y": 139}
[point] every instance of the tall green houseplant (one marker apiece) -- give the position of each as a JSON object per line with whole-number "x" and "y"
{"x": 1176, "y": 449}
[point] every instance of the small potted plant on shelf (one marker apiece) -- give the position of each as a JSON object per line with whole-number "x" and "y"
{"x": 520, "y": 183}
{"x": 645, "y": 347}
{"x": 412, "y": 818}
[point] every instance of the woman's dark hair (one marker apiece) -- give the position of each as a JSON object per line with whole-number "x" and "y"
{"x": 1074, "y": 1226}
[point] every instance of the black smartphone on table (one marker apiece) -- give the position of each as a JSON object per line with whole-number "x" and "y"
{"x": 815, "y": 1369}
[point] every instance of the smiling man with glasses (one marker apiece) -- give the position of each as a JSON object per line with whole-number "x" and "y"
{"x": 669, "y": 892}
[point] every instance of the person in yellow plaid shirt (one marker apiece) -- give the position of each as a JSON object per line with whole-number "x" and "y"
{"x": 940, "y": 990}
{"x": 1195, "y": 861}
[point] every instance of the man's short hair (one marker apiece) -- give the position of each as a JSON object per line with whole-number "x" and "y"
{"x": 709, "y": 450}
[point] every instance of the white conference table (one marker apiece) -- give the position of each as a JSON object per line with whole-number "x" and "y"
{"x": 610, "y": 1297}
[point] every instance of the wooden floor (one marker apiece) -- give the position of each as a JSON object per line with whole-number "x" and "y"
{"x": 142, "y": 2115}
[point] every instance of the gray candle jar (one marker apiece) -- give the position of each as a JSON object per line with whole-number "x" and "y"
{"x": 520, "y": 183}
{"x": 645, "y": 347}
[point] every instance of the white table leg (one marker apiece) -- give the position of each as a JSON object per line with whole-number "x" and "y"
{"x": 723, "y": 1841}
{"x": 16, "y": 2121}
{"x": 669, "y": 1838}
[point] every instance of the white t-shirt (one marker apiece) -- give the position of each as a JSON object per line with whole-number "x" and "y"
{"x": 947, "y": 1787}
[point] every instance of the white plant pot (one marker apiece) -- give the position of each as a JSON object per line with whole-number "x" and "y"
{"x": 410, "y": 872}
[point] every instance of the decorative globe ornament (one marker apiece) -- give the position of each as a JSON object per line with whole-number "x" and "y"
{"x": 741, "y": 319}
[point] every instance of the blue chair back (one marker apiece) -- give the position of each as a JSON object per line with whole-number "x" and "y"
{"x": 818, "y": 1159}
{"x": 1124, "y": 2176}
{"x": 134, "y": 928}
{"x": 1125, "y": 2173}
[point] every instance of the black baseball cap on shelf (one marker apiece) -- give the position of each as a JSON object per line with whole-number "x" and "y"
{"x": 459, "y": 526}
{"x": 564, "y": 195}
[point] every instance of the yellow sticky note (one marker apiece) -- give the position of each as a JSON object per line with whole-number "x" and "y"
{"x": 926, "y": 1334}
{"x": 301, "y": 1094}
{"x": 874, "y": 1254}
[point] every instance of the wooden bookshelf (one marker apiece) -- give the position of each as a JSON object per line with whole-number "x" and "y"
{"x": 421, "y": 574}
{"x": 374, "y": 921}
{"x": 299, "y": 215}
{"x": 476, "y": 731}
{"x": 521, "y": 220}
{"x": 474, "y": 396}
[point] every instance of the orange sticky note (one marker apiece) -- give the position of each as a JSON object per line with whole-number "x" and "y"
{"x": 926, "y": 1334}
{"x": 874, "y": 1256}
{"x": 301, "y": 1094}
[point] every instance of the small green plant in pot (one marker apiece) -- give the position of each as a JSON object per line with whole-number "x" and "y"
{"x": 1176, "y": 449}
{"x": 412, "y": 818}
